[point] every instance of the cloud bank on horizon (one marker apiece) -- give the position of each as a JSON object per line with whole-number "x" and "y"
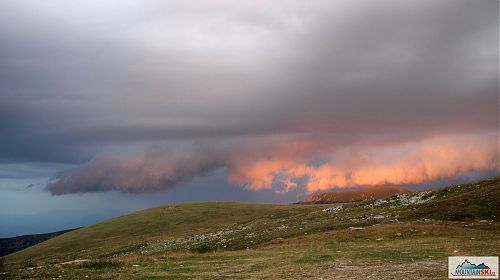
{"x": 147, "y": 95}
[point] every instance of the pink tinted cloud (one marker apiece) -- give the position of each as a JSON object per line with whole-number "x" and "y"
{"x": 310, "y": 164}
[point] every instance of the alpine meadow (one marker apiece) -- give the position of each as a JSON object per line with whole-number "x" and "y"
{"x": 249, "y": 139}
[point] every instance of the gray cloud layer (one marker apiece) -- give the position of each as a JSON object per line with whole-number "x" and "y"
{"x": 156, "y": 170}
{"x": 97, "y": 80}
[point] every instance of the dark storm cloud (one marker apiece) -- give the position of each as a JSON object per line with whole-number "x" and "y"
{"x": 101, "y": 79}
{"x": 156, "y": 170}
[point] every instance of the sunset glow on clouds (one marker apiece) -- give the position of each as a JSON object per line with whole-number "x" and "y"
{"x": 311, "y": 166}
{"x": 416, "y": 163}
{"x": 145, "y": 96}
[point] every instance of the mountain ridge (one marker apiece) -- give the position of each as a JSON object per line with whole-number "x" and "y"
{"x": 379, "y": 192}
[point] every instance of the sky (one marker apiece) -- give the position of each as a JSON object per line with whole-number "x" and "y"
{"x": 107, "y": 107}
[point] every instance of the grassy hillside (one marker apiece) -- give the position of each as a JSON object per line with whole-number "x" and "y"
{"x": 414, "y": 232}
{"x": 127, "y": 233}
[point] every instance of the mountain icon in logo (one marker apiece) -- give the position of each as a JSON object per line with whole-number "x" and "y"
{"x": 468, "y": 265}
{"x": 472, "y": 267}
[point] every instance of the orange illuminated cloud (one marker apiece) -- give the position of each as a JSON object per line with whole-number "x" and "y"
{"x": 404, "y": 164}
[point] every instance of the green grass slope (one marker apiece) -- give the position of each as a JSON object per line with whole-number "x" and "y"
{"x": 129, "y": 232}
{"x": 415, "y": 232}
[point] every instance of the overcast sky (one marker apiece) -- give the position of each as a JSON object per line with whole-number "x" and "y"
{"x": 129, "y": 101}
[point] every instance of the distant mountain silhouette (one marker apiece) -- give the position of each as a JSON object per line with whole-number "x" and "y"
{"x": 10, "y": 245}
{"x": 468, "y": 265}
{"x": 379, "y": 192}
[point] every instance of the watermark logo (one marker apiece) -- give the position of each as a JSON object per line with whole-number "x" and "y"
{"x": 473, "y": 267}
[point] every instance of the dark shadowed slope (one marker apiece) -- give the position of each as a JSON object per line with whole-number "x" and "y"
{"x": 357, "y": 195}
